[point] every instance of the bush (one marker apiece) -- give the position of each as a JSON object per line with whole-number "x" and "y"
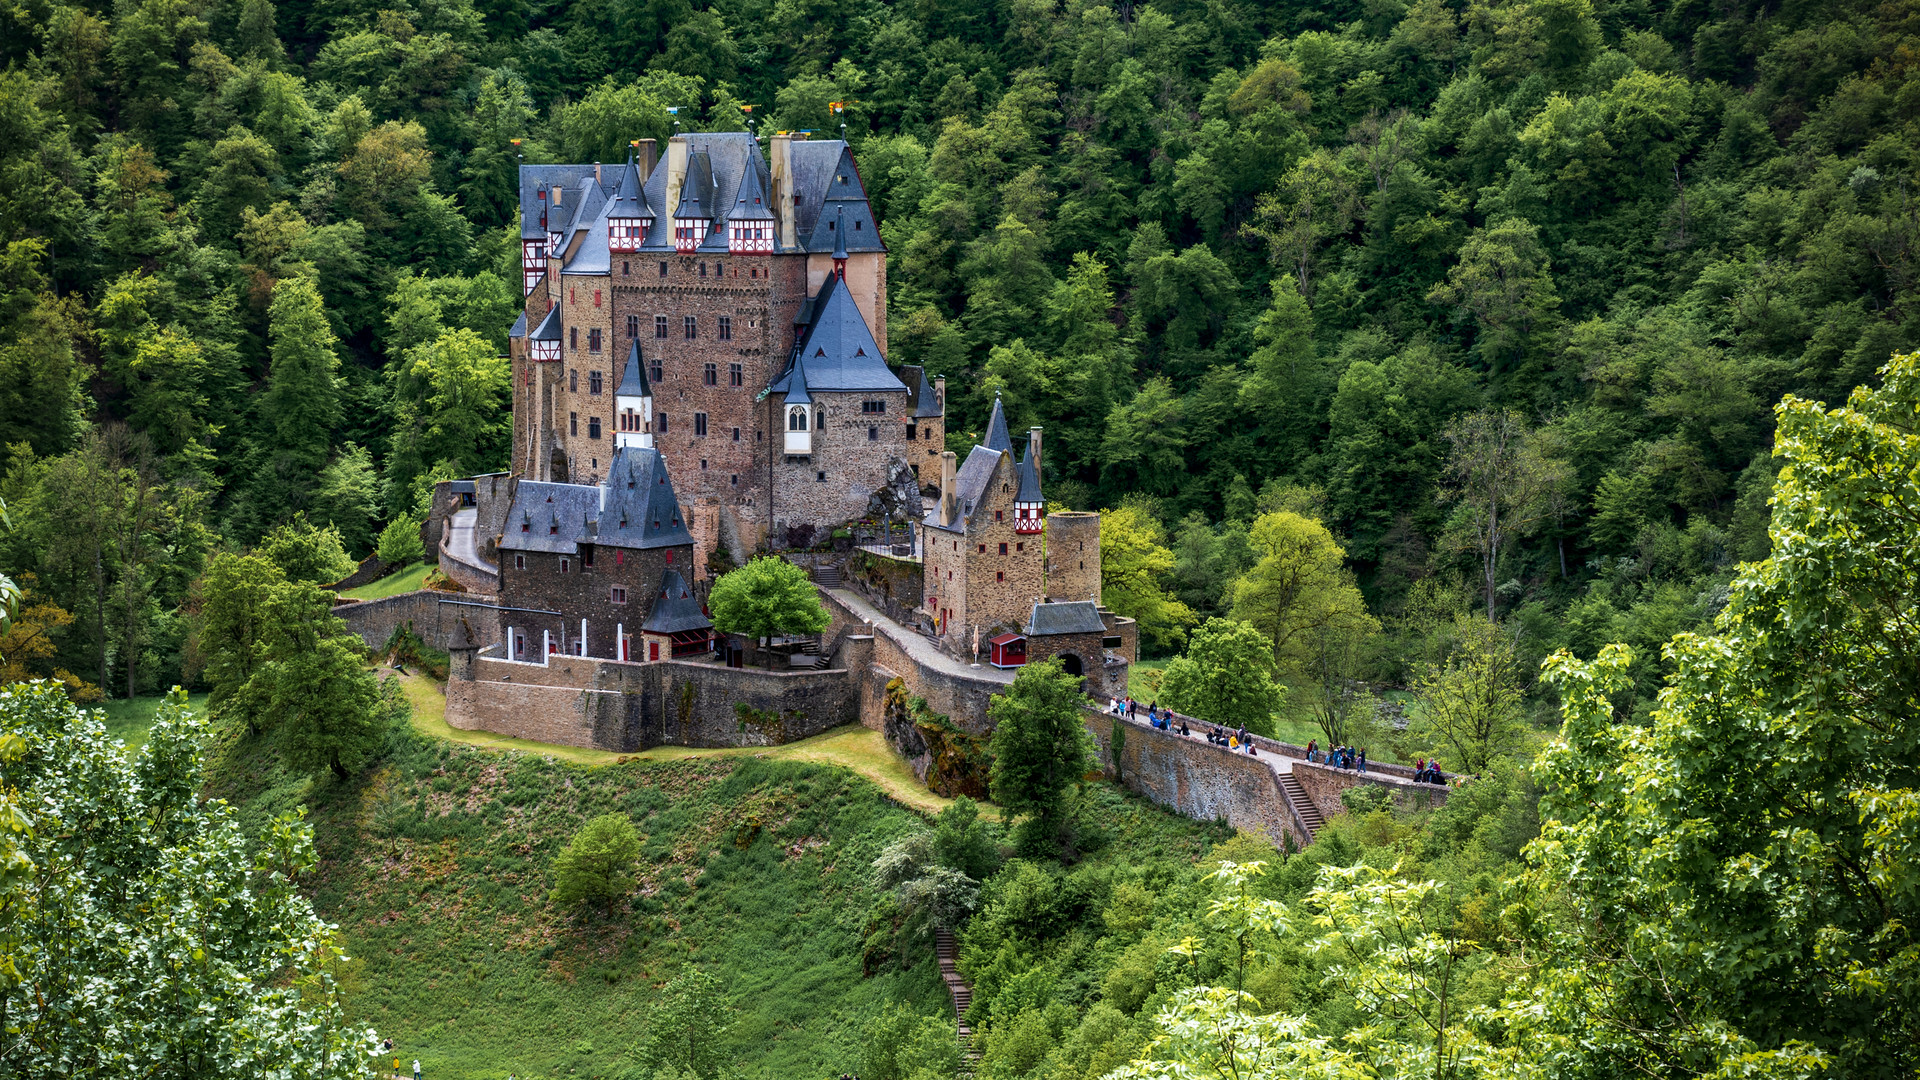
{"x": 596, "y": 866}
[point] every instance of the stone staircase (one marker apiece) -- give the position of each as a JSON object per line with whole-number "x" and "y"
{"x": 1309, "y": 814}
{"x": 827, "y": 577}
{"x": 962, "y": 995}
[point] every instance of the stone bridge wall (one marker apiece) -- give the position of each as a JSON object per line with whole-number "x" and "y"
{"x": 1196, "y": 777}
{"x": 434, "y": 616}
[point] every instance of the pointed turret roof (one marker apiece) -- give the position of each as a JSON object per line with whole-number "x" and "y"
{"x": 751, "y": 203}
{"x": 630, "y": 199}
{"x": 925, "y": 402}
{"x": 838, "y": 352}
{"x": 674, "y": 608}
{"x": 997, "y": 438}
{"x": 1029, "y": 482}
{"x": 696, "y": 189}
{"x": 840, "y": 234}
{"x": 519, "y": 328}
{"x": 633, "y": 381}
{"x": 638, "y": 508}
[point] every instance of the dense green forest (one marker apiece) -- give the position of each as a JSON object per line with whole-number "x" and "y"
{"x": 1237, "y": 257}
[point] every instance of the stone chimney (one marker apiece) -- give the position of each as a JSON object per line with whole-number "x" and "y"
{"x": 940, "y": 393}
{"x": 645, "y": 156}
{"x": 596, "y": 173}
{"x": 949, "y": 494}
{"x": 780, "y": 155}
{"x": 676, "y": 177}
{"x": 1033, "y": 448}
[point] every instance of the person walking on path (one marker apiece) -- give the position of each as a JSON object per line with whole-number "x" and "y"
{"x": 1363, "y": 759}
{"x": 416, "y": 1069}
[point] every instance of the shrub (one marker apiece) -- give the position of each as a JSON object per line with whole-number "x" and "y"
{"x": 400, "y": 542}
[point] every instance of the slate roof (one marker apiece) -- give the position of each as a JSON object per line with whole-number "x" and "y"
{"x": 549, "y": 328}
{"x": 750, "y": 202}
{"x": 637, "y": 505}
{"x": 591, "y": 255}
{"x": 533, "y": 178}
{"x": 633, "y": 508}
{"x": 921, "y": 398}
{"x": 1075, "y": 617}
{"x": 519, "y": 326}
{"x": 997, "y": 438}
{"x": 838, "y": 352}
{"x": 831, "y": 209}
{"x": 554, "y": 518}
{"x": 630, "y": 198}
{"x": 674, "y": 608}
{"x": 696, "y": 192}
{"x": 975, "y": 476}
{"x": 633, "y": 381}
{"x": 1029, "y": 491}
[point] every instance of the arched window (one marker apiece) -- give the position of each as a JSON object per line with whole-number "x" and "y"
{"x": 797, "y": 418}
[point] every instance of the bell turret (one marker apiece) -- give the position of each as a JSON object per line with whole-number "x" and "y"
{"x": 693, "y": 217}
{"x": 750, "y": 226}
{"x": 630, "y": 216}
{"x": 633, "y": 404}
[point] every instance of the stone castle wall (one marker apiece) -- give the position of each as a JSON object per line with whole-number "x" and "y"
{"x": 1073, "y": 556}
{"x": 832, "y": 484}
{"x": 1195, "y": 777}
{"x": 434, "y": 616}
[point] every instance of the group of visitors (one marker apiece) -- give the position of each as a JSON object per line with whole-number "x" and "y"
{"x": 1173, "y": 724}
{"x": 1237, "y": 741}
{"x": 1428, "y": 772}
{"x": 1340, "y": 757}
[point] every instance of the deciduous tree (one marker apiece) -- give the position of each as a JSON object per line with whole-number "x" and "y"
{"x": 596, "y": 866}
{"x": 1226, "y": 677}
{"x": 767, "y": 596}
{"x": 1041, "y": 749}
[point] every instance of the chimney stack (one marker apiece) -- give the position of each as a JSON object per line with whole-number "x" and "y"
{"x": 780, "y": 155}
{"x": 940, "y": 393}
{"x": 596, "y": 173}
{"x": 1033, "y": 448}
{"x": 644, "y": 157}
{"x": 949, "y": 498}
{"x": 676, "y": 177}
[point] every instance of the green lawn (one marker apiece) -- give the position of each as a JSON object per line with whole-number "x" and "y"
{"x": 128, "y": 719}
{"x": 400, "y": 581}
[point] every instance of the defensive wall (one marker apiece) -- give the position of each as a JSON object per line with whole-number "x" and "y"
{"x": 628, "y": 707}
{"x": 435, "y": 616}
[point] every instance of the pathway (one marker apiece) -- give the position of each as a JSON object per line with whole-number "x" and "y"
{"x": 1271, "y": 754}
{"x": 916, "y": 645}
{"x": 460, "y": 541}
{"x": 960, "y": 992}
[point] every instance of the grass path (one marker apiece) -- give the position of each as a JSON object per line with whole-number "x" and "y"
{"x": 406, "y": 579}
{"x": 852, "y": 747}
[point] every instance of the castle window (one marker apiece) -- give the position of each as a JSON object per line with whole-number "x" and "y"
{"x": 593, "y": 340}
{"x": 700, "y": 424}
{"x": 573, "y": 382}
{"x": 703, "y": 269}
{"x": 586, "y": 556}
{"x": 519, "y": 562}
{"x": 999, "y": 575}
{"x": 703, "y": 464}
{"x": 618, "y": 595}
{"x": 659, "y": 326}
{"x": 593, "y": 432}
{"x": 726, "y": 328}
{"x": 566, "y": 566}
{"x": 1003, "y": 548}
{"x": 573, "y": 423}
{"x": 820, "y": 476}
{"x": 653, "y": 371}
{"x": 873, "y": 407}
{"x": 1019, "y": 547}
{"x": 663, "y": 269}
{"x": 633, "y": 326}
{"x": 735, "y": 375}
{"x": 911, "y": 430}
{"x": 797, "y": 418}
{"x": 873, "y": 433}
{"x": 573, "y": 337}
{"x": 625, "y": 269}
{"x": 983, "y": 549}
{"x": 690, "y": 327}
{"x": 736, "y": 480}
{"x": 710, "y": 375}
{"x": 999, "y": 515}
{"x": 593, "y": 377}
{"x": 736, "y": 434}
{"x": 662, "y": 428}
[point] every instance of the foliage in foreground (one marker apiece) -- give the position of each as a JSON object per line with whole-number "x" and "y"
{"x": 144, "y": 932}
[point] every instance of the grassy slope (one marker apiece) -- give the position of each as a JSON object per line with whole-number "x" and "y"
{"x": 403, "y": 580}
{"x": 128, "y": 719}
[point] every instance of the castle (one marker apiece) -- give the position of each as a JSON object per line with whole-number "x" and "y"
{"x": 700, "y": 376}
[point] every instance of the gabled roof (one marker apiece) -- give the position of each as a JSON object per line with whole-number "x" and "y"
{"x": 630, "y": 198}
{"x": 593, "y": 255}
{"x": 674, "y": 608}
{"x": 696, "y": 192}
{"x": 519, "y": 327}
{"x": 533, "y": 180}
{"x": 975, "y": 476}
{"x": 997, "y": 438}
{"x": 838, "y": 352}
{"x": 549, "y": 328}
{"x": 751, "y": 202}
{"x": 828, "y": 183}
{"x": 1074, "y": 617}
{"x": 633, "y": 381}
{"x": 1029, "y": 491}
{"x": 637, "y": 506}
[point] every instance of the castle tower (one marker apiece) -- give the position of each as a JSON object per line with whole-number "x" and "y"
{"x": 633, "y": 404}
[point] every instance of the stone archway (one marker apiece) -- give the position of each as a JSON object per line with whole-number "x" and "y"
{"x": 1070, "y": 663}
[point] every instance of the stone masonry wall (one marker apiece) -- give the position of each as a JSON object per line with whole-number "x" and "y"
{"x": 1073, "y": 556}
{"x": 434, "y": 616}
{"x": 585, "y": 592}
{"x": 1196, "y": 778}
{"x": 962, "y": 698}
{"x": 832, "y": 485}
{"x": 1002, "y": 586}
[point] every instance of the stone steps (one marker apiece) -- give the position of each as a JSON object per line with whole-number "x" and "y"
{"x": 1297, "y": 795}
{"x": 827, "y": 577}
{"x": 947, "y": 953}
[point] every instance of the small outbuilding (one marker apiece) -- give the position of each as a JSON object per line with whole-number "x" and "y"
{"x": 1009, "y": 650}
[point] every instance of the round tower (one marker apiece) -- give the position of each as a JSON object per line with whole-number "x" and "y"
{"x": 1073, "y": 555}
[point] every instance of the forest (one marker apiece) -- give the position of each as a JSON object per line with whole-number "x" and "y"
{"x": 1236, "y": 257}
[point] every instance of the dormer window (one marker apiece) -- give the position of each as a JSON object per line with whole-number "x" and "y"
{"x": 626, "y": 233}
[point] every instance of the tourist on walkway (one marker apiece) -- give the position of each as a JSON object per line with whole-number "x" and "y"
{"x": 1133, "y": 708}
{"x": 1363, "y": 759}
{"x": 416, "y": 1069}
{"x": 1311, "y": 743}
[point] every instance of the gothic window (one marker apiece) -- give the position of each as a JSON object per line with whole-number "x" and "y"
{"x": 797, "y": 418}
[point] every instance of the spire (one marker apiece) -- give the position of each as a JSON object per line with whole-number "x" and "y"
{"x": 997, "y": 438}
{"x": 633, "y": 381}
{"x": 840, "y": 243}
{"x": 631, "y": 199}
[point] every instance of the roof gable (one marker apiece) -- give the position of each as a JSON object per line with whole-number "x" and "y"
{"x": 674, "y": 608}
{"x": 1072, "y": 617}
{"x": 838, "y": 351}
{"x": 638, "y": 508}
